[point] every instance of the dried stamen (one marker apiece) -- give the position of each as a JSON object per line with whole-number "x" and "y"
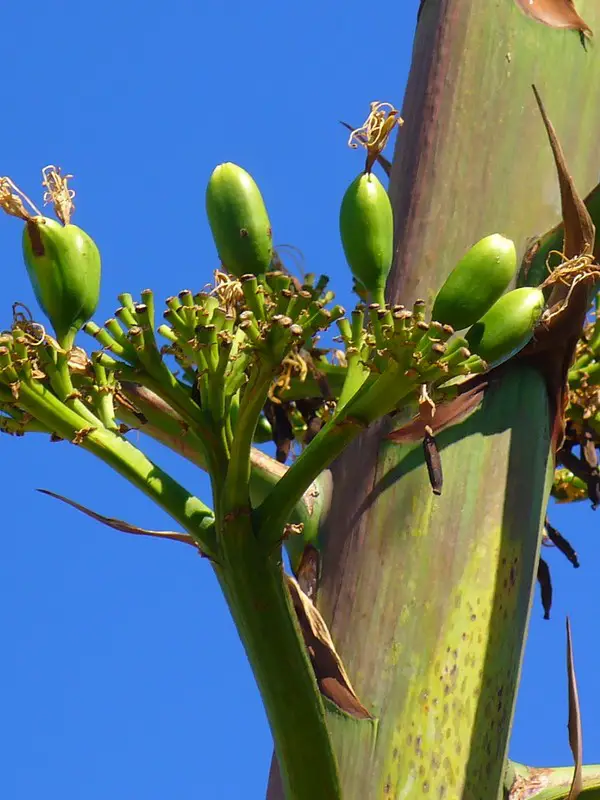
{"x": 375, "y": 132}
{"x": 228, "y": 290}
{"x": 58, "y": 193}
{"x": 11, "y": 201}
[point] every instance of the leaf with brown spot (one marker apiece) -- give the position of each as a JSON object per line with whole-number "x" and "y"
{"x": 329, "y": 671}
{"x": 119, "y": 525}
{"x": 574, "y": 725}
{"x": 555, "y": 13}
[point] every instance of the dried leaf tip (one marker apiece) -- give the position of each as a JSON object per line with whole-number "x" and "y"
{"x": 556, "y": 14}
{"x": 574, "y": 724}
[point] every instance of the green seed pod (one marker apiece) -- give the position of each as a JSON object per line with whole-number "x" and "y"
{"x": 367, "y": 232}
{"x": 63, "y": 264}
{"x": 239, "y": 221}
{"x": 476, "y": 282}
{"x": 507, "y": 326}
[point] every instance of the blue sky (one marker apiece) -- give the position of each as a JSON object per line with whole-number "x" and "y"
{"x": 122, "y": 675}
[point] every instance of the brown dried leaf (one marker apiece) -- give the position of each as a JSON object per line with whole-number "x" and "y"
{"x": 119, "y": 525}
{"x": 308, "y": 572}
{"x": 558, "y": 540}
{"x": 555, "y": 340}
{"x": 589, "y": 454}
{"x": 579, "y": 228}
{"x": 555, "y": 13}
{"x": 446, "y": 414}
{"x": 433, "y": 462}
{"x": 329, "y": 671}
{"x": 545, "y": 582}
{"x": 283, "y": 434}
{"x": 575, "y": 732}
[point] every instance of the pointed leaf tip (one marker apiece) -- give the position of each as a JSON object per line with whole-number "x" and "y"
{"x": 555, "y": 14}
{"x": 120, "y": 525}
{"x": 574, "y": 725}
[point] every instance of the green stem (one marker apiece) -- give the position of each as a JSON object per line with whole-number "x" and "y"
{"x": 276, "y": 509}
{"x": 163, "y": 383}
{"x": 261, "y": 607}
{"x": 309, "y": 387}
{"x": 379, "y": 399}
{"x": 378, "y": 296}
{"x": 167, "y": 427}
{"x": 383, "y": 396}
{"x": 127, "y": 460}
{"x": 187, "y": 509}
{"x": 15, "y": 427}
{"x": 235, "y": 490}
{"x": 68, "y": 395}
{"x": 68, "y": 340}
{"x": 356, "y": 375}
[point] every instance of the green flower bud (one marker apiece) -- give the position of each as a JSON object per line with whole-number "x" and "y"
{"x": 508, "y": 326}
{"x": 479, "y": 279}
{"x": 239, "y": 221}
{"x": 64, "y": 267}
{"x": 367, "y": 232}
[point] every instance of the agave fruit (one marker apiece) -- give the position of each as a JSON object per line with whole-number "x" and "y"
{"x": 367, "y": 232}
{"x": 64, "y": 267}
{"x": 478, "y": 280}
{"x": 239, "y": 221}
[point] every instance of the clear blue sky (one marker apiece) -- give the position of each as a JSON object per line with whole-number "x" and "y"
{"x": 121, "y": 674}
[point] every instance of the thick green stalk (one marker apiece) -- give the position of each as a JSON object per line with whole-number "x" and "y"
{"x": 253, "y": 582}
{"x": 428, "y": 598}
{"x": 260, "y": 604}
{"x": 446, "y": 585}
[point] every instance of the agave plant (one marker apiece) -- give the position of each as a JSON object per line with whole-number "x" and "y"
{"x": 448, "y": 407}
